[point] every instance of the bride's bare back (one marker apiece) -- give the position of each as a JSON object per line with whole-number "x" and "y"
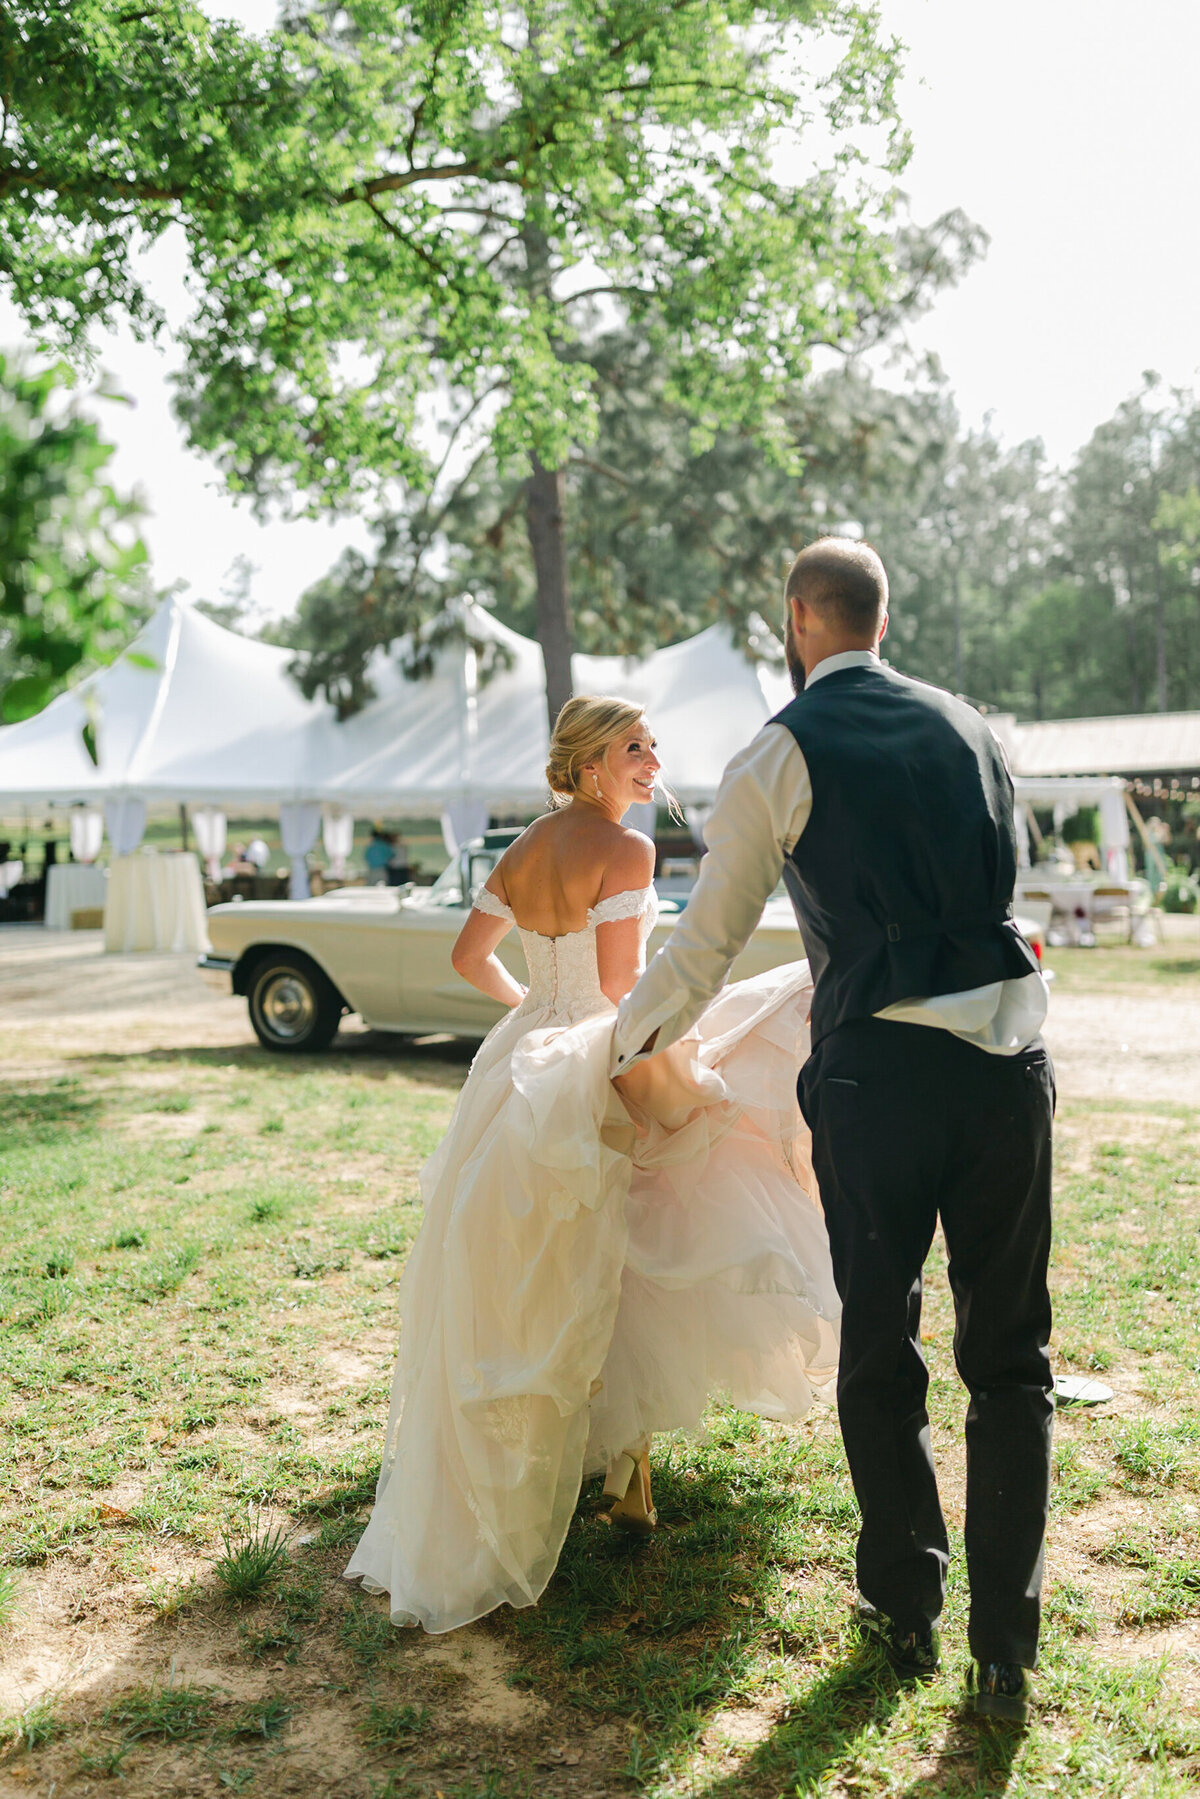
{"x": 566, "y": 863}
{"x": 569, "y": 861}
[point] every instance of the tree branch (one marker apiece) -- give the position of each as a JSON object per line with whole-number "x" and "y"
{"x": 592, "y": 293}
{"x": 444, "y": 171}
{"x": 418, "y": 250}
{"x": 12, "y": 175}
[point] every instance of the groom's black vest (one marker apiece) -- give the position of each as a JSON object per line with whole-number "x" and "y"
{"x": 903, "y": 877}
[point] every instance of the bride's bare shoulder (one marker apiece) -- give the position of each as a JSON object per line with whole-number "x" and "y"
{"x": 629, "y": 862}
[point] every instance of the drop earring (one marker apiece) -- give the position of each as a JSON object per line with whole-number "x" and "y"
{"x": 596, "y": 784}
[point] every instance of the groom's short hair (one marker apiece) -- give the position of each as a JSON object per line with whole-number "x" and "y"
{"x": 844, "y": 580}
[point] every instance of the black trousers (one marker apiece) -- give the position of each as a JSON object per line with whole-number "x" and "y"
{"x": 910, "y": 1123}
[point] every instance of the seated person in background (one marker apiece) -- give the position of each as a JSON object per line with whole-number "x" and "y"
{"x": 377, "y": 855}
{"x": 257, "y": 853}
{"x": 399, "y": 866}
{"x": 239, "y": 863}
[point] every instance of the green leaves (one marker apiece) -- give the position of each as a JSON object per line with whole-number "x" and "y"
{"x": 68, "y": 555}
{"x": 407, "y": 222}
{"x": 387, "y": 201}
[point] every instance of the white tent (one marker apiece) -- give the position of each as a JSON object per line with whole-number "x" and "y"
{"x": 1066, "y": 793}
{"x": 704, "y": 699}
{"x": 190, "y": 712}
{"x": 456, "y": 737}
{"x": 195, "y": 713}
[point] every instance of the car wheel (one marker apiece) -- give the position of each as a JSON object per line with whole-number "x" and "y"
{"x": 293, "y": 1006}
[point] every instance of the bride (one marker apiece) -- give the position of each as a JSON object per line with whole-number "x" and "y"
{"x": 592, "y": 1266}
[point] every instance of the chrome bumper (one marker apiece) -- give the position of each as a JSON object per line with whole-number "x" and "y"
{"x": 217, "y": 971}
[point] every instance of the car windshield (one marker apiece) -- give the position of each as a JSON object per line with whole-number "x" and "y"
{"x": 447, "y": 890}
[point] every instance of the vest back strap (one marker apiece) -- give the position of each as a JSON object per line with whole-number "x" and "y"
{"x": 905, "y": 930}
{"x": 908, "y": 930}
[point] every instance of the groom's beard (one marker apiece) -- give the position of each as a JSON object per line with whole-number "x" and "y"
{"x": 791, "y": 650}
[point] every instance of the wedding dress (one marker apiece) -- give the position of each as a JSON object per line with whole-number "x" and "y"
{"x": 589, "y": 1272}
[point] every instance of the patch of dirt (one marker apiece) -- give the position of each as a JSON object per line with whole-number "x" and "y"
{"x": 86, "y": 1635}
{"x": 1141, "y": 1045}
{"x": 72, "y": 1000}
{"x": 482, "y": 1666}
{"x": 100, "y": 1619}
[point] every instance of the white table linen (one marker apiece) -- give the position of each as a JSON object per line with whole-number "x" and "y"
{"x": 155, "y": 902}
{"x": 73, "y": 887}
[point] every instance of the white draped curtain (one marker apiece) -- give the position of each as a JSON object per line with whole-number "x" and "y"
{"x": 462, "y": 820}
{"x": 208, "y": 822}
{"x": 125, "y": 822}
{"x": 337, "y": 835}
{"x": 87, "y": 832}
{"x": 1114, "y": 834}
{"x": 299, "y": 822}
{"x": 1021, "y": 820}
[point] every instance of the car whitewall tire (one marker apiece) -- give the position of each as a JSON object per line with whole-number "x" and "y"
{"x": 293, "y": 1006}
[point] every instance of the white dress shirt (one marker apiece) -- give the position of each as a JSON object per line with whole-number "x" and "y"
{"x": 761, "y": 810}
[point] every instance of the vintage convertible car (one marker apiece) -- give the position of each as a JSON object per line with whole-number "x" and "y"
{"x": 385, "y": 953}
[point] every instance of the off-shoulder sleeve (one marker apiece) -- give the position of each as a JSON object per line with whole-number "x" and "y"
{"x": 486, "y": 901}
{"x": 635, "y": 902}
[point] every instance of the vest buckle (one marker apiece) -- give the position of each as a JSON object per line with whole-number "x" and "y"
{"x": 893, "y": 933}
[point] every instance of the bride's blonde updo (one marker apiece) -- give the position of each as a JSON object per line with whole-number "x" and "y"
{"x": 585, "y": 730}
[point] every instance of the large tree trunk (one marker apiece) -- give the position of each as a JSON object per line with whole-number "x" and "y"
{"x": 1160, "y": 639}
{"x": 545, "y": 513}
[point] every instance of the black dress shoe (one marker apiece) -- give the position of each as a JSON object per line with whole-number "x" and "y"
{"x": 911, "y": 1654}
{"x": 1000, "y": 1690}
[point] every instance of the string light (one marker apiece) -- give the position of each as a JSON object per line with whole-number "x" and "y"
{"x": 1177, "y": 788}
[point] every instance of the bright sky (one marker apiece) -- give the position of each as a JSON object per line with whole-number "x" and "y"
{"x": 1067, "y": 128}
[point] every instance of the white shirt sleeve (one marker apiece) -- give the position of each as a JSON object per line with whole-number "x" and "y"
{"x": 762, "y": 807}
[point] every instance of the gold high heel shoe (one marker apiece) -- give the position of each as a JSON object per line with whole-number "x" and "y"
{"x": 627, "y": 1489}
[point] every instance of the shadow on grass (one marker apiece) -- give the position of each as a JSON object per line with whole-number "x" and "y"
{"x": 36, "y": 1116}
{"x": 850, "y": 1703}
{"x": 976, "y": 1760}
{"x": 439, "y": 1060}
{"x": 298, "y": 1645}
{"x": 749, "y": 1561}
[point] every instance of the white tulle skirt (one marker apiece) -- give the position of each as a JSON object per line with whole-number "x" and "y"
{"x": 593, "y": 1269}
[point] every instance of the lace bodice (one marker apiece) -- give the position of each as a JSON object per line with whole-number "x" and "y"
{"x": 564, "y": 976}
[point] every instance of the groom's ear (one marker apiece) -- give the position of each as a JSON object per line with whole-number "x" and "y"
{"x": 883, "y": 628}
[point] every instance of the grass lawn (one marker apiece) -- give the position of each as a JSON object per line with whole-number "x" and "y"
{"x": 197, "y": 1282}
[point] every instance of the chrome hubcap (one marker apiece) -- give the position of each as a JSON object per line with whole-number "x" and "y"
{"x": 287, "y": 1006}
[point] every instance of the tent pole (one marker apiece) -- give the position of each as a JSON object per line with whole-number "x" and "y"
{"x": 183, "y": 826}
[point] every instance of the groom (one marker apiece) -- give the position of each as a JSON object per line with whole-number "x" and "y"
{"x": 887, "y": 807}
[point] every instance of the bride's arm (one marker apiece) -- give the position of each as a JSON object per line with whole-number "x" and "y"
{"x": 474, "y": 956}
{"x": 618, "y": 957}
{"x": 619, "y": 942}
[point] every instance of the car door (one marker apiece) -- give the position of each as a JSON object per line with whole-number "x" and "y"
{"x": 433, "y": 996}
